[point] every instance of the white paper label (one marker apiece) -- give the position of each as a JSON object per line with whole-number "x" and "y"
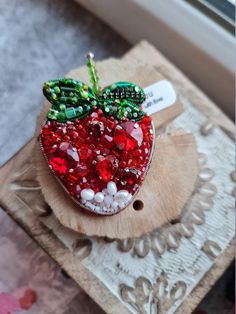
{"x": 159, "y": 96}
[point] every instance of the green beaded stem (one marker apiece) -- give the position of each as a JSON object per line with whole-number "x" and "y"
{"x": 72, "y": 99}
{"x": 93, "y": 73}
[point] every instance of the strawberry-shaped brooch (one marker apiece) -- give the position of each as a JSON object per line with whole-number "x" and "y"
{"x": 98, "y": 143}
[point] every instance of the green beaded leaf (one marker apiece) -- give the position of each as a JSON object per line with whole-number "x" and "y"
{"x": 124, "y": 90}
{"x": 122, "y": 100}
{"x": 71, "y": 99}
{"x": 67, "y": 92}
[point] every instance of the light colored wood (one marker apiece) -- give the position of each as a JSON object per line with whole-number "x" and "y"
{"x": 163, "y": 195}
{"x": 180, "y": 251}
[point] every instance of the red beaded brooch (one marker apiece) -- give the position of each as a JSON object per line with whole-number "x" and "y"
{"x": 98, "y": 143}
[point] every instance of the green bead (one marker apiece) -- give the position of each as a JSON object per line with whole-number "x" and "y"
{"x": 62, "y": 107}
{"x": 61, "y": 117}
{"x": 57, "y": 90}
{"x": 70, "y": 112}
{"x": 84, "y": 94}
{"x": 52, "y": 114}
{"x": 74, "y": 100}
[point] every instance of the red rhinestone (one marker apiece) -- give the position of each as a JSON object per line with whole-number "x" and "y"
{"x": 131, "y": 163}
{"x": 65, "y": 138}
{"x": 72, "y": 178}
{"x": 130, "y": 177}
{"x": 110, "y": 125}
{"x": 122, "y": 164}
{"x": 104, "y": 169}
{"x": 84, "y": 152}
{"x": 107, "y": 141}
{"x": 50, "y": 149}
{"x": 85, "y": 185}
{"x": 46, "y": 130}
{"x": 124, "y": 141}
{"x": 75, "y": 134}
{"x": 134, "y": 130}
{"x": 59, "y": 165}
{"x": 146, "y": 121}
{"x": 96, "y": 127}
{"x": 48, "y": 142}
{"x": 81, "y": 170}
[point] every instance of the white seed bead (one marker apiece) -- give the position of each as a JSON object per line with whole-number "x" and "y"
{"x": 90, "y": 205}
{"x": 128, "y": 199}
{"x": 114, "y": 205}
{"x": 111, "y": 188}
{"x": 99, "y": 197}
{"x": 108, "y": 200}
{"x": 104, "y": 191}
{"x": 121, "y": 195}
{"x": 83, "y": 201}
{"x": 122, "y": 204}
{"x": 87, "y": 194}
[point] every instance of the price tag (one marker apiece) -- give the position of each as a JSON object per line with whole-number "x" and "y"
{"x": 159, "y": 96}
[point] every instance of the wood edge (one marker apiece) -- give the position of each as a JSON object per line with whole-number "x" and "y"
{"x": 208, "y": 280}
{"x": 165, "y": 116}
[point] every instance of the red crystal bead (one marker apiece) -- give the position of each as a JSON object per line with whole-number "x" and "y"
{"x": 107, "y": 141}
{"x": 105, "y": 169}
{"x": 96, "y": 127}
{"x": 72, "y": 178}
{"x": 84, "y": 152}
{"x": 124, "y": 141}
{"x": 81, "y": 170}
{"x": 59, "y": 165}
{"x": 130, "y": 177}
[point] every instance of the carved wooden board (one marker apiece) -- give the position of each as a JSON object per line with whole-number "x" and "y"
{"x": 170, "y": 269}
